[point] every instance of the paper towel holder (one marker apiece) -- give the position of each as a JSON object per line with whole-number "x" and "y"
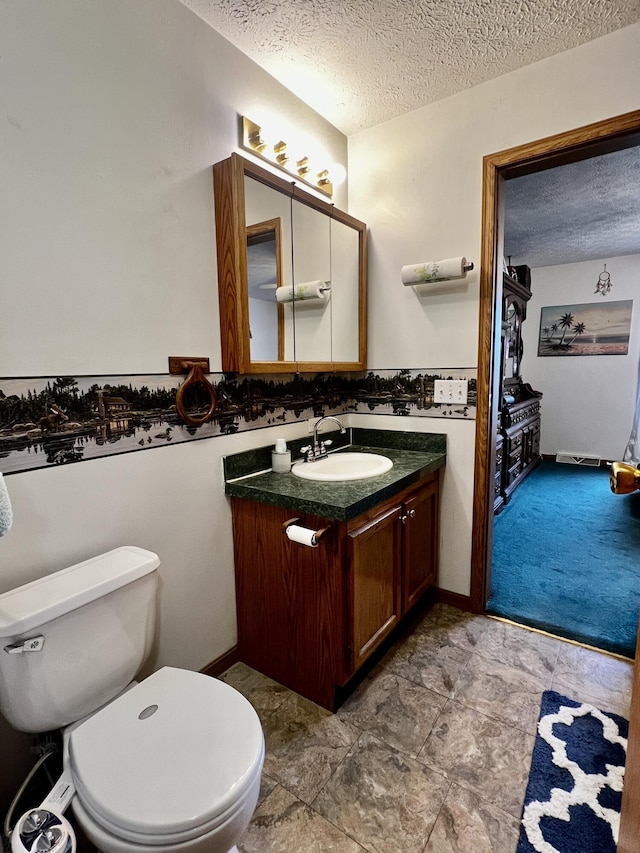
{"x": 451, "y": 270}
{"x": 318, "y": 534}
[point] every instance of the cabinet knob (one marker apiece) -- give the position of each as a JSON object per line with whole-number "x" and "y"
{"x": 412, "y": 513}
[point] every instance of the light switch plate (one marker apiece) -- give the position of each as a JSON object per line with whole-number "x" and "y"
{"x": 450, "y": 391}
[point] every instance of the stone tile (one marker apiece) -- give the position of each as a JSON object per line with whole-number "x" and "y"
{"x": 467, "y": 823}
{"x": 263, "y": 692}
{"x": 453, "y": 626}
{"x": 501, "y": 691}
{"x": 517, "y": 647}
{"x": 304, "y": 745}
{"x": 266, "y": 787}
{"x": 395, "y": 710}
{"x": 594, "y": 677}
{"x": 481, "y": 754}
{"x": 430, "y": 661}
{"x": 283, "y": 824}
{"x": 383, "y": 799}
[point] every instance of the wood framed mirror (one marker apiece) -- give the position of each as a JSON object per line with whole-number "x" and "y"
{"x": 272, "y": 237}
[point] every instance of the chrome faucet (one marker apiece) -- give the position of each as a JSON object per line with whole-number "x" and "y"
{"x": 318, "y": 450}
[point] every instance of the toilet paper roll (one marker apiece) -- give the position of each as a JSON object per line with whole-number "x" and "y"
{"x": 302, "y": 535}
{"x": 447, "y": 270}
{"x": 304, "y": 290}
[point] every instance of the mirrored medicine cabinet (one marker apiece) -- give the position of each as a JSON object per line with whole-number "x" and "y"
{"x": 292, "y": 275}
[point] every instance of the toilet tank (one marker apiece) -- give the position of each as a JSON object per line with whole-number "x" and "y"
{"x": 90, "y": 626}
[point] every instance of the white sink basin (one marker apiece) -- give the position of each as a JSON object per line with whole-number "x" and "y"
{"x": 343, "y": 466}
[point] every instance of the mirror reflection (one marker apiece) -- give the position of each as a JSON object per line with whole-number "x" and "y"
{"x": 311, "y": 317}
{"x": 264, "y": 276}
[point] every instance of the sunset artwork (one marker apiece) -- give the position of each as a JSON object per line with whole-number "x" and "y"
{"x": 593, "y": 328}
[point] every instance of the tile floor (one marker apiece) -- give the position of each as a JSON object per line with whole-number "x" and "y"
{"x": 431, "y": 754}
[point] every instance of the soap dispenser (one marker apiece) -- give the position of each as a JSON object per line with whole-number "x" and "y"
{"x": 281, "y": 457}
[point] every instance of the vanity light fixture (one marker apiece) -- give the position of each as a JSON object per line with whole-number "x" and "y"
{"x": 278, "y": 155}
{"x": 280, "y": 150}
{"x": 603, "y": 285}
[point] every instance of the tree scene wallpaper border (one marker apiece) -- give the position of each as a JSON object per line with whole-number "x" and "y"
{"x": 60, "y": 420}
{"x": 592, "y": 328}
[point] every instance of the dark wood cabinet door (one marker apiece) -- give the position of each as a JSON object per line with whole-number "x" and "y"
{"x": 420, "y": 543}
{"x": 374, "y": 553}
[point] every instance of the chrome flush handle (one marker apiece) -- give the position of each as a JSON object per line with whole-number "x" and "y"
{"x": 33, "y": 644}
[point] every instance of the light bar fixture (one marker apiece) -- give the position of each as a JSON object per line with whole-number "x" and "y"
{"x": 278, "y": 155}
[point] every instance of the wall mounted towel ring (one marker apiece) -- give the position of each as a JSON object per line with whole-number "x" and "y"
{"x": 196, "y": 368}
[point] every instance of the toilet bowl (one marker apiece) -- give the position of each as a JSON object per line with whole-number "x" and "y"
{"x": 173, "y": 764}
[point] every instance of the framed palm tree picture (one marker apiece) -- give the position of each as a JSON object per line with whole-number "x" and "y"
{"x": 588, "y": 329}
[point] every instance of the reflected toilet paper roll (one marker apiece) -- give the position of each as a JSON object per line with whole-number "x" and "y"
{"x": 304, "y": 290}
{"x": 451, "y": 269}
{"x": 302, "y": 535}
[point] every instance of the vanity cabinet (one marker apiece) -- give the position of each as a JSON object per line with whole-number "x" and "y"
{"x": 311, "y": 617}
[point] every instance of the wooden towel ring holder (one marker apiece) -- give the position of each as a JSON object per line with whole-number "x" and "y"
{"x": 195, "y": 377}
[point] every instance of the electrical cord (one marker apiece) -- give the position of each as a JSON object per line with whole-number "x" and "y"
{"x": 49, "y": 749}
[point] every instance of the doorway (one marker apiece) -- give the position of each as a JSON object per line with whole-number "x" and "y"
{"x": 599, "y": 138}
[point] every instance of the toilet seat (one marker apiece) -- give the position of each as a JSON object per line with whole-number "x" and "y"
{"x": 172, "y": 758}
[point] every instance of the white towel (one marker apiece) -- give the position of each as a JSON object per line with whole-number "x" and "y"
{"x": 6, "y": 513}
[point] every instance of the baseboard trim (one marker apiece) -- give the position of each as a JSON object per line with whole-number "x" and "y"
{"x": 454, "y": 599}
{"x": 222, "y": 663}
{"x": 219, "y": 665}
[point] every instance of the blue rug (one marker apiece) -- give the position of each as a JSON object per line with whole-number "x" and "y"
{"x": 574, "y": 794}
{"x": 566, "y": 557}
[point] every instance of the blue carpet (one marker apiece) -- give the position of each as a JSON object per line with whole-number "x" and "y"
{"x": 574, "y": 793}
{"x": 566, "y": 557}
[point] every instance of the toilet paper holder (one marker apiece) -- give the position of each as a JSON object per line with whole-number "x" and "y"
{"x": 317, "y": 535}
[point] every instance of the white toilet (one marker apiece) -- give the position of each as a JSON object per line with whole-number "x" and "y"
{"x": 171, "y": 763}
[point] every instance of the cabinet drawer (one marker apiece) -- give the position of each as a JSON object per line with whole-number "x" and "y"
{"x": 513, "y": 473}
{"x": 515, "y": 441}
{"x": 515, "y": 458}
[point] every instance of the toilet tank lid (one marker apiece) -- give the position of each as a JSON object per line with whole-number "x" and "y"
{"x": 38, "y": 602}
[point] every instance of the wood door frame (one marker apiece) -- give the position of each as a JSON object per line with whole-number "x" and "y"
{"x": 598, "y": 138}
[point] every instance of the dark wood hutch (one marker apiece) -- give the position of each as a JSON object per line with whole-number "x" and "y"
{"x": 518, "y": 438}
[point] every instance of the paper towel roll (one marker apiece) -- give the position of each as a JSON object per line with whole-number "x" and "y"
{"x": 447, "y": 270}
{"x": 304, "y": 290}
{"x": 302, "y": 535}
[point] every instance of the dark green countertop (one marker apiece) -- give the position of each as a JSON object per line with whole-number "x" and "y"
{"x": 342, "y": 501}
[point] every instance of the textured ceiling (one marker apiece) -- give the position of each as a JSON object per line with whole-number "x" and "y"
{"x": 362, "y": 62}
{"x": 579, "y": 212}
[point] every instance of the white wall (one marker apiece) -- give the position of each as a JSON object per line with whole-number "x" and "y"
{"x": 589, "y": 401}
{"x": 417, "y": 182}
{"x": 114, "y": 115}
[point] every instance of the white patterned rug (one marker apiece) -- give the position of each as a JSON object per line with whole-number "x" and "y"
{"x": 574, "y": 793}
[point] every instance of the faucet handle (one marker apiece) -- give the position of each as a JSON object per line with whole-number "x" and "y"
{"x": 327, "y": 443}
{"x": 306, "y": 449}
